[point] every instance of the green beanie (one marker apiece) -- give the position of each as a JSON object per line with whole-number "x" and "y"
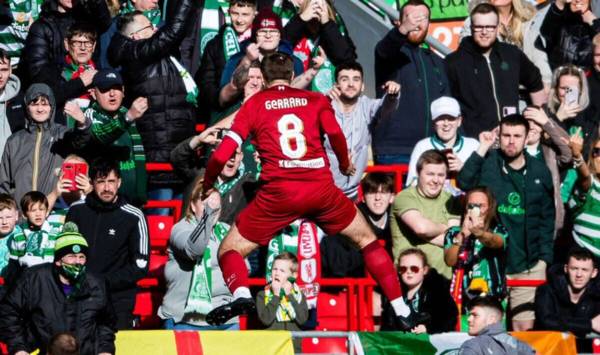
{"x": 70, "y": 241}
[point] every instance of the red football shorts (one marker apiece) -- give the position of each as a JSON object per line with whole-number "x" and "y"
{"x": 277, "y": 205}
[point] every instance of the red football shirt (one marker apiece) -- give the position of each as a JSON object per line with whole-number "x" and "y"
{"x": 287, "y": 127}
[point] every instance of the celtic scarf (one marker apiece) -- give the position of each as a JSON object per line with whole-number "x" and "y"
{"x": 285, "y": 10}
{"x": 12, "y": 38}
{"x": 199, "y": 299}
{"x": 285, "y": 311}
{"x": 154, "y": 15}
{"x": 285, "y": 240}
{"x": 214, "y": 14}
{"x": 189, "y": 83}
{"x": 115, "y": 130}
{"x": 225, "y": 186}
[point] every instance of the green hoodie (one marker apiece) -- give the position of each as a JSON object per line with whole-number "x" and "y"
{"x": 525, "y": 205}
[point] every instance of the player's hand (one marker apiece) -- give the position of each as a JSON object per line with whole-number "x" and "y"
{"x": 207, "y": 193}
{"x": 213, "y": 201}
{"x": 82, "y": 182}
{"x": 72, "y": 109}
{"x": 350, "y": 171}
{"x": 391, "y": 88}
{"x": 138, "y": 107}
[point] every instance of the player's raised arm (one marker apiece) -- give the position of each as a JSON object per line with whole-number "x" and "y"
{"x": 336, "y": 136}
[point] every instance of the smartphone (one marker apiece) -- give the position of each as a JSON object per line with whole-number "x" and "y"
{"x": 71, "y": 170}
{"x": 572, "y": 95}
{"x": 474, "y": 209}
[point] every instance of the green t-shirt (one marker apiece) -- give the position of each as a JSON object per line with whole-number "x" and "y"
{"x": 438, "y": 210}
{"x": 483, "y": 263}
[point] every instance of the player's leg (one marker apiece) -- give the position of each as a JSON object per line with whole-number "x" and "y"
{"x": 378, "y": 262}
{"x": 232, "y": 251}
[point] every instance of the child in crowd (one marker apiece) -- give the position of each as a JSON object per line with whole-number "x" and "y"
{"x": 35, "y": 244}
{"x": 9, "y": 215}
{"x": 281, "y": 305}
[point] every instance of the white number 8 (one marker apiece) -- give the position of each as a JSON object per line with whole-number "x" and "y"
{"x": 291, "y": 127}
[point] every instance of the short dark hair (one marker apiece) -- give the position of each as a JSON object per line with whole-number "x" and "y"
{"x": 82, "y": 29}
{"x": 31, "y": 198}
{"x": 483, "y": 9}
{"x": 514, "y": 120}
{"x": 242, "y": 3}
{"x": 580, "y": 253}
{"x": 372, "y": 181}
{"x": 431, "y": 156}
{"x": 4, "y": 57}
{"x": 125, "y": 20}
{"x": 286, "y": 255}
{"x": 486, "y": 302}
{"x": 63, "y": 344}
{"x": 414, "y": 3}
{"x": 349, "y": 66}
{"x": 102, "y": 167}
{"x": 277, "y": 66}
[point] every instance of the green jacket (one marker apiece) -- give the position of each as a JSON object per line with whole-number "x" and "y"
{"x": 526, "y": 211}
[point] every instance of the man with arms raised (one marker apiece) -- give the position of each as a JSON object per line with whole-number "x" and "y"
{"x": 287, "y": 126}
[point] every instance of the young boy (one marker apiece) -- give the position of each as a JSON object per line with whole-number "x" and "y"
{"x": 35, "y": 245}
{"x": 281, "y": 305}
{"x": 9, "y": 215}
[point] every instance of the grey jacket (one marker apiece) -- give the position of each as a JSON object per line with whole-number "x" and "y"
{"x": 493, "y": 339}
{"x": 11, "y": 90}
{"x": 357, "y": 126}
{"x": 32, "y": 155}
{"x": 186, "y": 246}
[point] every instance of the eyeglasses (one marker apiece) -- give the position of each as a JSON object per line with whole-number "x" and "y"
{"x": 489, "y": 28}
{"x": 595, "y": 152}
{"x": 141, "y": 29}
{"x": 82, "y": 44}
{"x": 263, "y": 33}
{"x": 413, "y": 268}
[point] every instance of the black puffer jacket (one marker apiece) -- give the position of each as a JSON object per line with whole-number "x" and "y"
{"x": 149, "y": 72}
{"x": 36, "y": 308}
{"x": 555, "y": 311}
{"x": 568, "y": 38}
{"x": 44, "y": 52}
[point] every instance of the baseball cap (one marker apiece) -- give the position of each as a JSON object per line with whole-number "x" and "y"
{"x": 444, "y": 106}
{"x": 107, "y": 78}
{"x": 266, "y": 18}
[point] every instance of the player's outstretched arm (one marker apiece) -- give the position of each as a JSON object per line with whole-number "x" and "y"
{"x": 330, "y": 126}
{"x": 218, "y": 160}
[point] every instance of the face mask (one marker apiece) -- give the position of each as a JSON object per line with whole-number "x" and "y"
{"x": 73, "y": 272}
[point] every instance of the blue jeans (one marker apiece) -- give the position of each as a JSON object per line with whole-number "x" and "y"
{"x": 171, "y": 325}
{"x": 163, "y": 194}
{"x": 389, "y": 159}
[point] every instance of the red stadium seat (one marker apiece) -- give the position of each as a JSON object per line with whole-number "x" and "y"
{"x": 333, "y": 311}
{"x": 159, "y": 228}
{"x": 146, "y": 306}
{"x": 324, "y": 345}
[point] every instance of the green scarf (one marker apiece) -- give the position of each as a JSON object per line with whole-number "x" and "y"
{"x": 214, "y": 14}
{"x": 225, "y": 186}
{"x": 325, "y": 78}
{"x": 154, "y": 15}
{"x": 199, "y": 299}
{"x": 285, "y": 312}
{"x": 284, "y": 11}
{"x": 231, "y": 44}
{"x": 190, "y": 85}
{"x": 286, "y": 240}
{"x": 115, "y": 130}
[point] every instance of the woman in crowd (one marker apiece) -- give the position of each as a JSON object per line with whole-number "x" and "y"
{"x": 425, "y": 292}
{"x": 477, "y": 247}
{"x": 195, "y": 284}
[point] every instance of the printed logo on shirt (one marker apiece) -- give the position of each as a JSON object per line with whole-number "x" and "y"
{"x": 112, "y": 231}
{"x": 514, "y": 199}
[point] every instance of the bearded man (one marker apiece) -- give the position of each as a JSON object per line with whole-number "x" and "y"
{"x": 420, "y": 72}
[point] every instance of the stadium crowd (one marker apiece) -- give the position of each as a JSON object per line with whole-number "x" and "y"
{"x": 501, "y": 139}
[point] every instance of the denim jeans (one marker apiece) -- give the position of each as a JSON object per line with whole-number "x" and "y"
{"x": 171, "y": 325}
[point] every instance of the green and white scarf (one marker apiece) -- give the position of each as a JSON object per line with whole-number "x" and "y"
{"x": 154, "y": 15}
{"x": 231, "y": 44}
{"x": 214, "y": 14}
{"x": 190, "y": 85}
{"x": 12, "y": 38}
{"x": 286, "y": 240}
{"x": 285, "y": 311}
{"x": 284, "y": 11}
{"x": 225, "y": 186}
{"x": 199, "y": 299}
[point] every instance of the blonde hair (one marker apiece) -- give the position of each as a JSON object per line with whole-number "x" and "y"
{"x": 571, "y": 70}
{"x": 522, "y": 11}
{"x": 330, "y": 10}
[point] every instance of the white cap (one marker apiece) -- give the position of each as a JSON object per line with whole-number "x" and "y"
{"x": 444, "y": 106}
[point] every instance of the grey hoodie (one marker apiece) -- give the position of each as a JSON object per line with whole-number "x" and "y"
{"x": 32, "y": 155}
{"x": 494, "y": 340}
{"x": 12, "y": 88}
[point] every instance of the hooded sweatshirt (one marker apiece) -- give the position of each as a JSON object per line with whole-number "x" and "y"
{"x": 493, "y": 339}
{"x": 10, "y": 121}
{"x": 32, "y": 155}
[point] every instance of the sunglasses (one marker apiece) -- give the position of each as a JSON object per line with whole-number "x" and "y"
{"x": 413, "y": 268}
{"x": 596, "y": 152}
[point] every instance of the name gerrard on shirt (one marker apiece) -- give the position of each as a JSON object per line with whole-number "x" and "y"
{"x": 290, "y": 102}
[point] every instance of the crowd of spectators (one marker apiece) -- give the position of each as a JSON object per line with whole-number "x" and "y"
{"x": 501, "y": 140}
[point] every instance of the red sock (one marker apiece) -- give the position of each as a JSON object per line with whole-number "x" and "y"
{"x": 235, "y": 272}
{"x": 380, "y": 266}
